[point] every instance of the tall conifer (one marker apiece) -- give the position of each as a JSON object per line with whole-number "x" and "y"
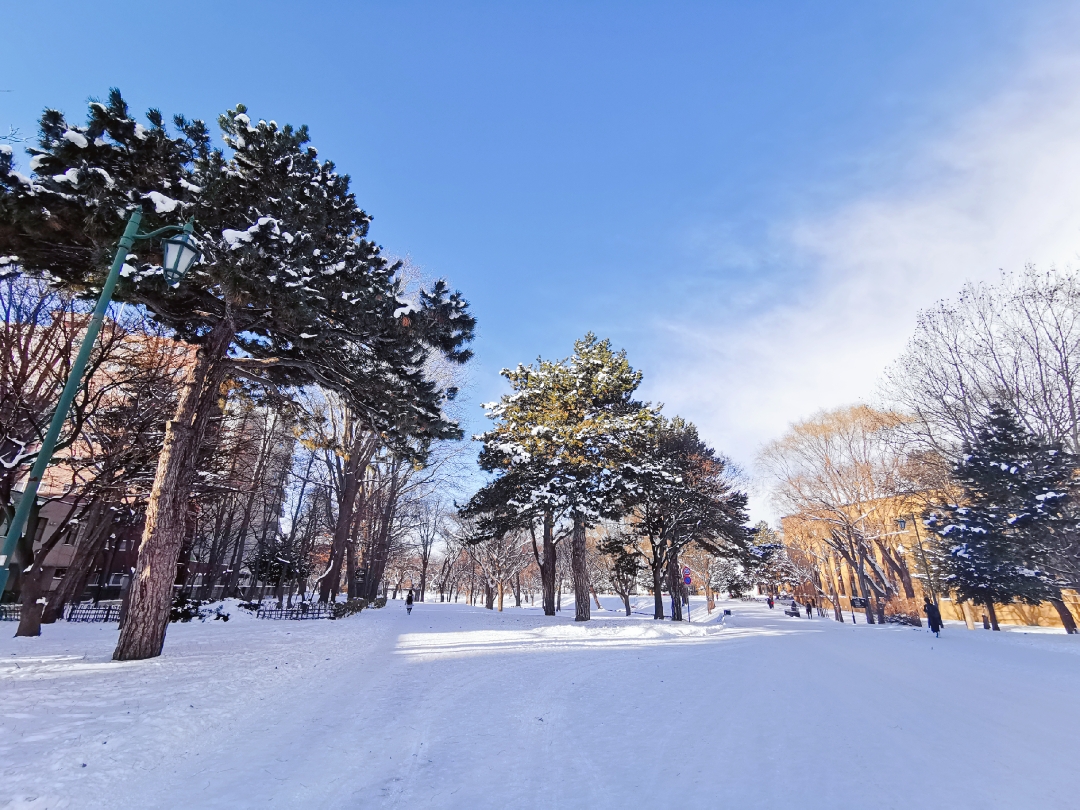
{"x": 291, "y": 291}
{"x": 564, "y": 442}
{"x": 992, "y": 542}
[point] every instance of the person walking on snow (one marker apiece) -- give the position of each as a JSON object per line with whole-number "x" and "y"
{"x": 933, "y": 617}
{"x": 809, "y": 609}
{"x": 770, "y": 601}
{"x": 408, "y": 602}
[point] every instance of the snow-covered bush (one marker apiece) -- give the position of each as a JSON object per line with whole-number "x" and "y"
{"x": 184, "y": 609}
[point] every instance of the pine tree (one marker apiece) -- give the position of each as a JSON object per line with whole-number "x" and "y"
{"x": 564, "y": 442}
{"x": 767, "y": 561}
{"x": 1014, "y": 492}
{"x": 682, "y": 495}
{"x": 290, "y": 292}
{"x": 623, "y": 565}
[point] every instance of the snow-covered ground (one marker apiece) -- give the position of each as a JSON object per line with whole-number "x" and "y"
{"x": 461, "y": 707}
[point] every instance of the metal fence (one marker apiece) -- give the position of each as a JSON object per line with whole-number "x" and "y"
{"x": 10, "y": 613}
{"x": 93, "y": 613}
{"x": 319, "y": 611}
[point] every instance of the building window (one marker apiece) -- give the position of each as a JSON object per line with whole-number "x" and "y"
{"x": 117, "y": 580}
{"x": 58, "y": 573}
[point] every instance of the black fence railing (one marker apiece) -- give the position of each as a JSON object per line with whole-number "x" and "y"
{"x": 319, "y": 610}
{"x": 10, "y": 613}
{"x": 93, "y": 613}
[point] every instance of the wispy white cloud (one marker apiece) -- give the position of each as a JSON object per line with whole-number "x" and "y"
{"x": 999, "y": 188}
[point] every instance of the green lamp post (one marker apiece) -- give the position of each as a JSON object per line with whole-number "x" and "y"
{"x": 180, "y": 254}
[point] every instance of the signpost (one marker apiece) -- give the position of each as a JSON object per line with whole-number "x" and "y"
{"x": 857, "y": 602}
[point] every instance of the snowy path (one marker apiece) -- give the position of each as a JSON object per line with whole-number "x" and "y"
{"x": 460, "y": 707}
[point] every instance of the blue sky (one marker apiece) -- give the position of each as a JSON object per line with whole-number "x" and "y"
{"x": 754, "y": 199}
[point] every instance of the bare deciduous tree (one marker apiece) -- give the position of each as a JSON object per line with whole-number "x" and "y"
{"x": 845, "y": 469}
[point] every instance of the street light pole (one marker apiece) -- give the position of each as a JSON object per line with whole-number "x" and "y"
{"x": 29, "y": 496}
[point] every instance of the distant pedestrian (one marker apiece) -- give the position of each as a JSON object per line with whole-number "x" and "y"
{"x": 408, "y": 602}
{"x": 809, "y": 609}
{"x": 933, "y": 617}
{"x": 770, "y": 601}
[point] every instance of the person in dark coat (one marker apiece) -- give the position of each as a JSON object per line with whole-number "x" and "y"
{"x": 933, "y": 617}
{"x": 809, "y": 609}
{"x": 770, "y": 601}
{"x": 408, "y": 602}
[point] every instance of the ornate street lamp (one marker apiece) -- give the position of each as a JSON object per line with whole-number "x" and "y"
{"x": 180, "y": 254}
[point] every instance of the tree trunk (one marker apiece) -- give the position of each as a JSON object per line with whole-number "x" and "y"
{"x": 245, "y": 525}
{"x": 489, "y": 596}
{"x": 1063, "y": 612}
{"x": 993, "y": 614}
{"x": 674, "y": 581}
{"x": 380, "y": 547}
{"x": 969, "y": 620}
{"x": 838, "y": 614}
{"x": 143, "y": 633}
{"x": 34, "y": 584}
{"x": 350, "y": 571}
{"x": 547, "y": 565}
{"x": 331, "y": 580}
{"x": 865, "y": 590}
{"x": 657, "y": 566}
{"x": 500, "y": 597}
{"x": 580, "y": 572}
{"x": 32, "y": 602}
{"x": 626, "y": 602}
{"x": 895, "y": 562}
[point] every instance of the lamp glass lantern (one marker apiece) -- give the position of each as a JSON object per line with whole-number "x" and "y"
{"x": 181, "y": 253}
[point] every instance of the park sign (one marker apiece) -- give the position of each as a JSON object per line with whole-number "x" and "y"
{"x": 686, "y": 575}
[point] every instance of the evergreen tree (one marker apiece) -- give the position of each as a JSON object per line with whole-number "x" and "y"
{"x": 682, "y": 495}
{"x": 290, "y": 292}
{"x": 767, "y": 561}
{"x": 565, "y": 442}
{"x": 623, "y": 565}
{"x": 1014, "y": 492}
{"x": 730, "y": 575}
